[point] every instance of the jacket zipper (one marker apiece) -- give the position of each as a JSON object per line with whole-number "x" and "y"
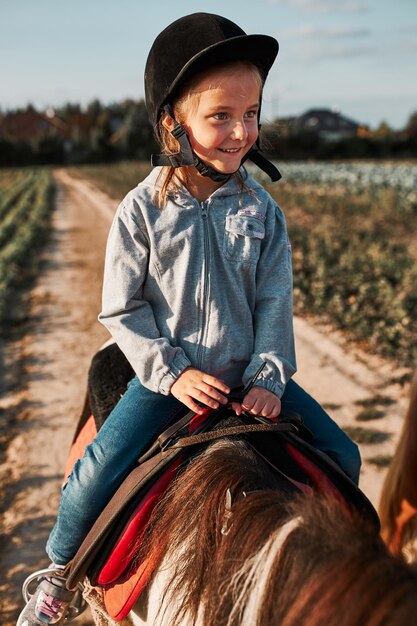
{"x": 204, "y": 215}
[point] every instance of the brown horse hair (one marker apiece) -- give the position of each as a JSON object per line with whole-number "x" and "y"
{"x": 193, "y": 511}
{"x": 400, "y": 482}
{"x": 330, "y": 566}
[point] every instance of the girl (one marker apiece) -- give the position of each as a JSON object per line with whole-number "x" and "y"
{"x": 197, "y": 287}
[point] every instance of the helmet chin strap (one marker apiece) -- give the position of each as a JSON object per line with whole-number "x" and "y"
{"x": 186, "y": 156}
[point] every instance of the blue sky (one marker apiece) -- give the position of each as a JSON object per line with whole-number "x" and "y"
{"x": 359, "y": 56}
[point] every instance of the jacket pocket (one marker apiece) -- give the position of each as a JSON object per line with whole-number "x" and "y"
{"x": 242, "y": 239}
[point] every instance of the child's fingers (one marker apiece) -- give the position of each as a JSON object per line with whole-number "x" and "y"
{"x": 253, "y": 407}
{"x": 216, "y": 383}
{"x": 191, "y": 404}
{"x": 206, "y": 398}
{"x": 260, "y": 401}
{"x": 237, "y": 408}
{"x": 211, "y": 392}
{"x": 275, "y": 411}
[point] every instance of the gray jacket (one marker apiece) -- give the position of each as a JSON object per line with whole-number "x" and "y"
{"x": 202, "y": 284}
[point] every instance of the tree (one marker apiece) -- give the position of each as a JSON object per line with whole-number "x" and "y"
{"x": 411, "y": 126}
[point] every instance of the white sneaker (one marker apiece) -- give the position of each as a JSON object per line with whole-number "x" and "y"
{"x": 48, "y": 605}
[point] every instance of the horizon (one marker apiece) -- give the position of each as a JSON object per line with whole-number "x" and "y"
{"x": 333, "y": 53}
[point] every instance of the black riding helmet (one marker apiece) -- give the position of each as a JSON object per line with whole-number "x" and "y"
{"x": 186, "y": 47}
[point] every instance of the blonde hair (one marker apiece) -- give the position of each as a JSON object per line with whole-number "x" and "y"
{"x": 187, "y": 101}
{"x": 398, "y": 504}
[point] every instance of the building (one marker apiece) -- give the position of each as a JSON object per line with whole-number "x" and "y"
{"x": 29, "y": 124}
{"x": 329, "y": 125}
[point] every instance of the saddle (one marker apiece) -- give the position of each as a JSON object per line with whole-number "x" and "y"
{"x": 107, "y": 555}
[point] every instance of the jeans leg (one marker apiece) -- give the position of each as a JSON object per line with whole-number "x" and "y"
{"x": 134, "y": 423}
{"x": 327, "y": 435}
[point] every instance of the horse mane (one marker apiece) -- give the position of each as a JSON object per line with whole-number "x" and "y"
{"x": 399, "y": 488}
{"x": 284, "y": 559}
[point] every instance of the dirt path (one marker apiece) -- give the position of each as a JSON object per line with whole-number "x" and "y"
{"x": 50, "y": 364}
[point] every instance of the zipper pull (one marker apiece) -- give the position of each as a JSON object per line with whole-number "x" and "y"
{"x": 204, "y": 210}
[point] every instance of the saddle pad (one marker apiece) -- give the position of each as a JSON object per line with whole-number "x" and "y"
{"x": 126, "y": 546}
{"x": 100, "y": 540}
{"x": 130, "y": 536}
{"x": 121, "y": 596}
{"x": 84, "y": 437}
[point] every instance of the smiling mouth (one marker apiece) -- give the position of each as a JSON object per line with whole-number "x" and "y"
{"x": 230, "y": 150}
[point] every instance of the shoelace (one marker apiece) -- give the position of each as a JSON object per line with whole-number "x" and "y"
{"x": 49, "y": 605}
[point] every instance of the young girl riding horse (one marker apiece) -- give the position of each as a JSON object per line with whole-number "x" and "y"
{"x": 198, "y": 283}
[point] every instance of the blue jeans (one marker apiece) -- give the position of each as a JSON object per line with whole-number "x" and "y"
{"x": 138, "y": 418}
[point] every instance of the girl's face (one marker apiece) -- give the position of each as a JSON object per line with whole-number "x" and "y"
{"x": 222, "y": 122}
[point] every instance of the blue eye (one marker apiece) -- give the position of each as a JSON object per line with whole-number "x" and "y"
{"x": 220, "y": 116}
{"x": 251, "y": 114}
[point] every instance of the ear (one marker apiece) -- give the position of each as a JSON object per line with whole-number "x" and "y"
{"x": 167, "y": 122}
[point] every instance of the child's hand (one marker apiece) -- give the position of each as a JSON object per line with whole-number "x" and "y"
{"x": 194, "y": 385}
{"x": 259, "y": 401}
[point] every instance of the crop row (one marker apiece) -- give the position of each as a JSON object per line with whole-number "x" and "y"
{"x": 355, "y": 263}
{"x": 401, "y": 175}
{"x": 22, "y": 232}
{"x": 353, "y": 176}
{"x": 12, "y": 189}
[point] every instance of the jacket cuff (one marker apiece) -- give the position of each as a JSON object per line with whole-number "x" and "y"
{"x": 176, "y": 367}
{"x": 276, "y": 388}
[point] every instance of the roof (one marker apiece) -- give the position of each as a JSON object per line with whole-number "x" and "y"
{"x": 29, "y": 124}
{"x": 326, "y": 120}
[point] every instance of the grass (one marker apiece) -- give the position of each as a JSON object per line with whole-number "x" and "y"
{"x": 355, "y": 263}
{"x": 24, "y": 228}
{"x": 116, "y": 180}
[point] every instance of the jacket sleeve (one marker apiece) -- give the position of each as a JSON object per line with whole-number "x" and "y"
{"x": 127, "y": 315}
{"x": 273, "y": 315}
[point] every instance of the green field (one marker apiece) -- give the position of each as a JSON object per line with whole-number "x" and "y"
{"x": 355, "y": 263}
{"x": 115, "y": 180}
{"x": 353, "y": 232}
{"x": 26, "y": 200}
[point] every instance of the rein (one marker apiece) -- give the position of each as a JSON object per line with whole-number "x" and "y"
{"x": 193, "y": 440}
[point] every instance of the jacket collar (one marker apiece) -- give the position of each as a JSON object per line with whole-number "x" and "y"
{"x": 181, "y": 195}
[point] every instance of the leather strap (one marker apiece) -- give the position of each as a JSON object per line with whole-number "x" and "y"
{"x": 206, "y": 437}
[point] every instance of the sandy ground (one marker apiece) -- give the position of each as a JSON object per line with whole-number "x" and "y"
{"x": 43, "y": 377}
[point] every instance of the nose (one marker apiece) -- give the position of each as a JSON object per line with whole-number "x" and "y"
{"x": 239, "y": 131}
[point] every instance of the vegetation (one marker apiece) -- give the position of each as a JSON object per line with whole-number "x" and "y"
{"x": 72, "y": 135}
{"x": 101, "y": 133}
{"x": 354, "y": 251}
{"x": 354, "y": 257}
{"x": 26, "y": 199}
{"x": 115, "y": 180}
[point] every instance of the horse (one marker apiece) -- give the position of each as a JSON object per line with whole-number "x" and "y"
{"x": 239, "y": 545}
{"x": 238, "y": 549}
{"x": 398, "y": 503}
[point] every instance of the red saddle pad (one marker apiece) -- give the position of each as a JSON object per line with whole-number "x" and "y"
{"x": 121, "y": 578}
